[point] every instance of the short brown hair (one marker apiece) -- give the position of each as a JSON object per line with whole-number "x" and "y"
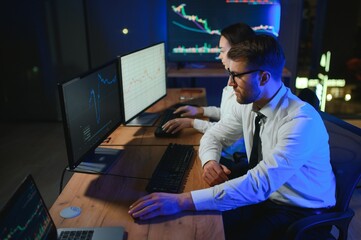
{"x": 260, "y": 52}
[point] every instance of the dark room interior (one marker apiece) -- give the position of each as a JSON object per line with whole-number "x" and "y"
{"x": 47, "y": 42}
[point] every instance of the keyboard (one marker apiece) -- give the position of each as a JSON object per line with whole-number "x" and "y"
{"x": 167, "y": 115}
{"x": 75, "y": 235}
{"x": 171, "y": 170}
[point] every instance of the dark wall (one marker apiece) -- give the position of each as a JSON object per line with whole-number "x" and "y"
{"x": 25, "y": 79}
{"x": 291, "y": 15}
{"x": 145, "y": 21}
{"x": 339, "y": 34}
{"x": 51, "y": 41}
{"x": 42, "y": 44}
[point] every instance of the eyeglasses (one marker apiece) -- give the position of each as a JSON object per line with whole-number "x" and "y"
{"x": 233, "y": 75}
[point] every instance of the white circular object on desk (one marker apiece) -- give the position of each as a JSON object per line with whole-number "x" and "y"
{"x": 70, "y": 212}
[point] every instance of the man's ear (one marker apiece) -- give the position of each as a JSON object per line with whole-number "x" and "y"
{"x": 265, "y": 77}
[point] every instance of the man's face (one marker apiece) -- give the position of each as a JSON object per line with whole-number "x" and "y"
{"x": 245, "y": 82}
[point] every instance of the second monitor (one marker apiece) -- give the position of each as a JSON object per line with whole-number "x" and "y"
{"x": 91, "y": 111}
{"x": 143, "y": 83}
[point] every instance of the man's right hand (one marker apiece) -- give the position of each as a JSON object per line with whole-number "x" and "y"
{"x": 215, "y": 173}
{"x": 189, "y": 111}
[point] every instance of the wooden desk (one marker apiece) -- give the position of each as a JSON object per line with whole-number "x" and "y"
{"x": 140, "y": 162}
{"x": 197, "y": 72}
{"x": 212, "y": 70}
{"x": 136, "y": 136}
{"x": 195, "y": 96}
{"x": 105, "y": 201}
{"x": 130, "y": 135}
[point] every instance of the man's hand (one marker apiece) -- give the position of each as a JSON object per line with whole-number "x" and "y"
{"x": 177, "y": 124}
{"x": 215, "y": 173}
{"x": 189, "y": 111}
{"x": 158, "y": 204}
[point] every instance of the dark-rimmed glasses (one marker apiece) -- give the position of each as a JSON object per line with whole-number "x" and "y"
{"x": 233, "y": 75}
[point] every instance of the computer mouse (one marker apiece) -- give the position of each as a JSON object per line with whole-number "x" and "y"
{"x": 70, "y": 212}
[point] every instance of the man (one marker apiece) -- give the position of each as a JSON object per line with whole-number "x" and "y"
{"x": 292, "y": 177}
{"x": 230, "y": 35}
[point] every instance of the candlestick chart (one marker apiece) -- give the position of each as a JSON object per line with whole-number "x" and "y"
{"x": 194, "y": 26}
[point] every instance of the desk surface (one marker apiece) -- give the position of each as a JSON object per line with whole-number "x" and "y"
{"x": 105, "y": 199}
{"x": 195, "y": 96}
{"x": 124, "y": 135}
{"x": 134, "y": 135}
{"x": 214, "y": 70}
{"x": 197, "y": 70}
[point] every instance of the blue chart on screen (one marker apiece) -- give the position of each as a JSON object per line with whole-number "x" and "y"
{"x": 194, "y": 26}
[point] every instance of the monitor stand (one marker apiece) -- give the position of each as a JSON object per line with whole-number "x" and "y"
{"x": 144, "y": 119}
{"x": 99, "y": 161}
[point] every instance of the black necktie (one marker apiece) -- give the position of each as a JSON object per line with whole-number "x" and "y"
{"x": 256, "y": 142}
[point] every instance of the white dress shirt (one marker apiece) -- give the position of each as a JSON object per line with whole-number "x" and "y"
{"x": 216, "y": 113}
{"x": 295, "y": 169}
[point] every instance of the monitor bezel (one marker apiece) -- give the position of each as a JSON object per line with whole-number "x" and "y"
{"x": 72, "y": 162}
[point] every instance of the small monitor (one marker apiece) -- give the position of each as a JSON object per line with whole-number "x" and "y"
{"x": 194, "y": 26}
{"x": 143, "y": 83}
{"x": 91, "y": 110}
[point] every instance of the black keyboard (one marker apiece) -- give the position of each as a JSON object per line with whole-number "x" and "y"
{"x": 167, "y": 115}
{"x": 172, "y": 169}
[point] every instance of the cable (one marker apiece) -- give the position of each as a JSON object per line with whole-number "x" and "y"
{"x": 62, "y": 179}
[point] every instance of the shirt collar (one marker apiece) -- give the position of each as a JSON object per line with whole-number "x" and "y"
{"x": 268, "y": 110}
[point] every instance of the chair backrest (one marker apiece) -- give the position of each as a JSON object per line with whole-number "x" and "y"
{"x": 345, "y": 152}
{"x": 309, "y": 96}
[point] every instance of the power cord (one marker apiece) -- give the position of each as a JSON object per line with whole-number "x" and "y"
{"x": 62, "y": 179}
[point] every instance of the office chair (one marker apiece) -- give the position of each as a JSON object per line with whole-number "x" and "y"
{"x": 345, "y": 145}
{"x": 307, "y": 95}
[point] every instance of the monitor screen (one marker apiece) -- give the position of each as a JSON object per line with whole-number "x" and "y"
{"x": 91, "y": 110}
{"x": 194, "y": 26}
{"x": 143, "y": 79}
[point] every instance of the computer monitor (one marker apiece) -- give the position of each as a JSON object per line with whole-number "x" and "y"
{"x": 194, "y": 26}
{"x": 91, "y": 110}
{"x": 143, "y": 83}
